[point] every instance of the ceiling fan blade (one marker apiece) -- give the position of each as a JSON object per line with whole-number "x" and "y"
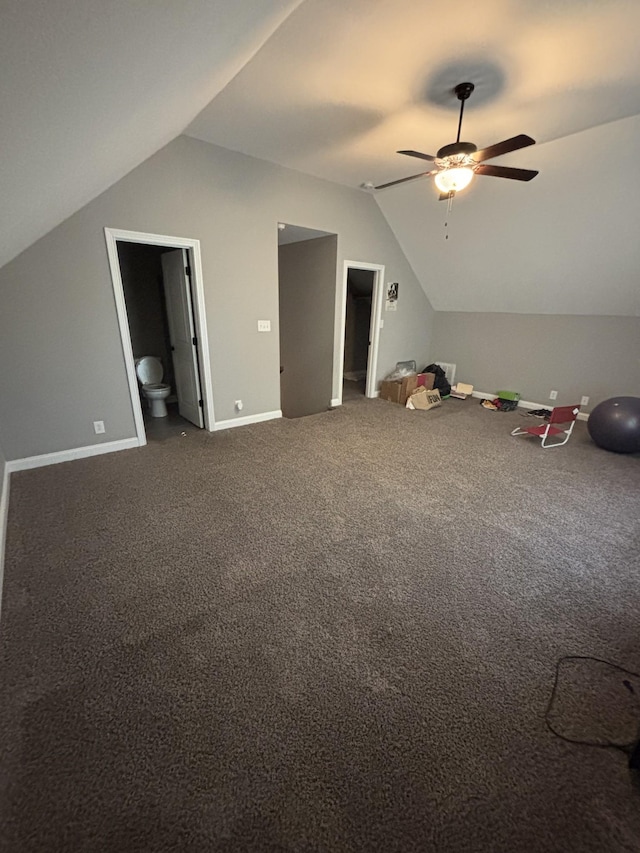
{"x": 403, "y": 180}
{"x": 504, "y": 147}
{"x": 505, "y": 172}
{"x": 419, "y": 154}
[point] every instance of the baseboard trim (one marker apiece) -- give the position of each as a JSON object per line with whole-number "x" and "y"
{"x": 4, "y": 513}
{"x": 247, "y": 419}
{"x": 69, "y": 455}
{"x": 526, "y": 404}
{"x": 337, "y": 401}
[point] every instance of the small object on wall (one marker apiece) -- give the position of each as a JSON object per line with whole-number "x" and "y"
{"x": 391, "y": 303}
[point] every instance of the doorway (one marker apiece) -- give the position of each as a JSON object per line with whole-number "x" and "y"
{"x": 157, "y": 283}
{"x": 357, "y": 327}
{"x": 357, "y": 353}
{"x": 307, "y": 261}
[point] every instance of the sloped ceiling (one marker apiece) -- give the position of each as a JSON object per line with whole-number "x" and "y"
{"x": 91, "y": 89}
{"x": 342, "y": 85}
{"x": 334, "y": 88}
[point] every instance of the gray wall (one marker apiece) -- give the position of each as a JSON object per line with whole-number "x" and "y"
{"x": 307, "y": 277}
{"x": 535, "y": 353}
{"x": 59, "y": 340}
{"x": 3, "y": 462}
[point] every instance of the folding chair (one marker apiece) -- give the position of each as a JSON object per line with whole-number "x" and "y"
{"x": 564, "y": 416}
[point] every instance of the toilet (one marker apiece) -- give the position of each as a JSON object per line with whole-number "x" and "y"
{"x": 150, "y": 373}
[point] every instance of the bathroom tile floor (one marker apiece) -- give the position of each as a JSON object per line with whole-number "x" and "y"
{"x": 160, "y": 429}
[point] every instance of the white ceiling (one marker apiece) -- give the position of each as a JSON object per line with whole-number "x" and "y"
{"x": 91, "y": 89}
{"x": 343, "y": 84}
{"x": 333, "y": 88}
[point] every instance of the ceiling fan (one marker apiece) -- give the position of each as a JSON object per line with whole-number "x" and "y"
{"x": 458, "y": 162}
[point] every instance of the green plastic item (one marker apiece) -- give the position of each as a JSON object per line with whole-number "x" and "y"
{"x": 509, "y": 395}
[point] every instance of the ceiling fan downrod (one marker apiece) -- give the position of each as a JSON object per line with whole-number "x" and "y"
{"x": 462, "y": 90}
{"x": 454, "y": 149}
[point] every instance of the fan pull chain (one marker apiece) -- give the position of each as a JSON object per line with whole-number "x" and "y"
{"x": 449, "y": 207}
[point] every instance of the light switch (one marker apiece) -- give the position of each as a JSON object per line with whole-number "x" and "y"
{"x": 264, "y": 325}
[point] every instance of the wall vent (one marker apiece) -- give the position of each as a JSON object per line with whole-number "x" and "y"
{"x": 450, "y": 371}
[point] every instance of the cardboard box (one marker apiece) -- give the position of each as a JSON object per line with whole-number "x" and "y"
{"x": 399, "y": 390}
{"x": 424, "y": 399}
{"x": 426, "y": 380}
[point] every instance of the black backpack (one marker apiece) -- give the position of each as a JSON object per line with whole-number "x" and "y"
{"x": 440, "y": 382}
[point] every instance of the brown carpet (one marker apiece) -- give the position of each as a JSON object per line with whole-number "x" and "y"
{"x": 336, "y": 633}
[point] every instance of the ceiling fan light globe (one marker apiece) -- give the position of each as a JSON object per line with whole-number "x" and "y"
{"x": 453, "y": 180}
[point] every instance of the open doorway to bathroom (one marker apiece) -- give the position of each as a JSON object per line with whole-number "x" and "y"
{"x": 157, "y": 285}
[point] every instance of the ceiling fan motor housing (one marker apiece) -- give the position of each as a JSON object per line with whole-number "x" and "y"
{"x": 456, "y": 148}
{"x": 463, "y": 90}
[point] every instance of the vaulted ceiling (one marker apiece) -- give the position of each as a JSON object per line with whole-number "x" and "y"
{"x": 334, "y": 88}
{"x": 91, "y": 89}
{"x": 342, "y": 85}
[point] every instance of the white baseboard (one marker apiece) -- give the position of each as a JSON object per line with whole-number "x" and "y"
{"x": 4, "y": 512}
{"x": 246, "y": 420}
{"x": 526, "y": 404}
{"x": 338, "y": 402}
{"x": 69, "y": 455}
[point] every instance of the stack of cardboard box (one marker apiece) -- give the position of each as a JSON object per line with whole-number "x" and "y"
{"x": 399, "y": 390}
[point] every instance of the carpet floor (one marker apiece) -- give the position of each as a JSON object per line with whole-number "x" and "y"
{"x": 335, "y": 633}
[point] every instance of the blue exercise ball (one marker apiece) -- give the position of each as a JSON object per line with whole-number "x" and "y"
{"x": 615, "y": 424}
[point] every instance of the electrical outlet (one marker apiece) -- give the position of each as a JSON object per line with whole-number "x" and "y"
{"x": 553, "y": 395}
{"x": 584, "y": 401}
{"x": 98, "y": 426}
{"x": 264, "y": 325}
{"x": 239, "y": 405}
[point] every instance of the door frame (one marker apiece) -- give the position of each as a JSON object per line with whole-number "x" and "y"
{"x": 374, "y": 326}
{"x": 112, "y": 236}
